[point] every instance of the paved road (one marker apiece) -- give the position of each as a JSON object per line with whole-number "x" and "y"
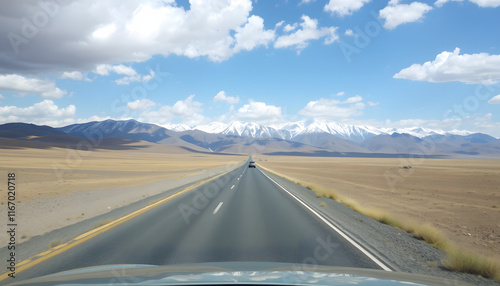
{"x": 242, "y": 216}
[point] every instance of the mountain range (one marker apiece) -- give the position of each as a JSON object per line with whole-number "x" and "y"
{"x": 299, "y": 138}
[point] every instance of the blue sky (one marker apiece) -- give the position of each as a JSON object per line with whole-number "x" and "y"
{"x": 434, "y": 64}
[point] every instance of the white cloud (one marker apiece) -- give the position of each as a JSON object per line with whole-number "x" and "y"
{"x": 440, "y": 3}
{"x": 333, "y": 109}
{"x": 487, "y": 3}
{"x": 288, "y": 28}
{"x": 104, "y": 32}
{"x": 142, "y": 104}
{"x": 353, "y": 99}
{"x": 136, "y": 78}
{"x": 344, "y": 7}
{"x": 1, "y": 96}
{"x": 480, "y": 3}
{"x": 340, "y": 93}
{"x": 371, "y": 103}
{"x": 186, "y": 111}
{"x": 252, "y": 35}
{"x": 115, "y": 31}
{"x": 349, "y": 32}
{"x": 397, "y": 14}
{"x": 260, "y": 112}
{"x": 309, "y": 31}
{"x": 24, "y": 86}
{"x": 221, "y": 96}
{"x": 105, "y": 69}
{"x": 306, "y": 1}
{"x": 481, "y": 68}
{"x": 39, "y": 113}
{"x": 494, "y": 100}
{"x": 76, "y": 75}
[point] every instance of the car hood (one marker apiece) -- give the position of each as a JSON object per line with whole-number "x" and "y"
{"x": 230, "y": 273}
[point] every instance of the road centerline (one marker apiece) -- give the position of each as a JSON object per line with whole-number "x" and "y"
{"x": 218, "y": 207}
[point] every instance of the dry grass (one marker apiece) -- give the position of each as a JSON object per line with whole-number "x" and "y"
{"x": 463, "y": 261}
{"x": 322, "y": 204}
{"x": 456, "y": 258}
{"x": 50, "y": 172}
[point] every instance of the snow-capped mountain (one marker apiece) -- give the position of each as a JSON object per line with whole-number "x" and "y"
{"x": 312, "y": 138}
{"x": 288, "y": 131}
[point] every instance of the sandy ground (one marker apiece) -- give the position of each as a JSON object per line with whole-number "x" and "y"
{"x": 58, "y": 187}
{"x": 461, "y": 197}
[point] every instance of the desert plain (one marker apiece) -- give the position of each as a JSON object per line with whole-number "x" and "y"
{"x": 56, "y": 187}
{"x": 461, "y": 197}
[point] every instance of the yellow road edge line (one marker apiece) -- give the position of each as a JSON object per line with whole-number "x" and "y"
{"x": 38, "y": 258}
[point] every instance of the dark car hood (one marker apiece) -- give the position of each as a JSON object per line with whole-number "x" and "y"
{"x": 230, "y": 273}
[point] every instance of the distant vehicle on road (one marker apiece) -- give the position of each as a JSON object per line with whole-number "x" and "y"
{"x": 251, "y": 164}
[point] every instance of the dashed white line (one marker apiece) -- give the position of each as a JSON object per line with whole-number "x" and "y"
{"x": 232, "y": 187}
{"x": 218, "y": 207}
{"x": 355, "y": 244}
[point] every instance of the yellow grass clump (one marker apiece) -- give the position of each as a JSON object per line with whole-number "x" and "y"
{"x": 463, "y": 261}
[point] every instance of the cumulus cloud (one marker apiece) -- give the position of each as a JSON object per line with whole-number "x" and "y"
{"x": 396, "y": 14}
{"x": 105, "y": 69}
{"x": 76, "y": 75}
{"x": 349, "y": 32}
{"x": 186, "y": 111}
{"x": 494, "y": 100}
{"x": 107, "y": 32}
{"x": 25, "y": 86}
{"x": 40, "y": 112}
{"x": 260, "y": 112}
{"x": 136, "y": 78}
{"x": 252, "y": 35}
{"x": 221, "y": 96}
{"x": 440, "y": 3}
{"x": 142, "y": 104}
{"x": 481, "y": 68}
{"x": 353, "y": 99}
{"x": 344, "y": 7}
{"x": 309, "y": 30}
{"x": 334, "y": 109}
{"x": 487, "y": 3}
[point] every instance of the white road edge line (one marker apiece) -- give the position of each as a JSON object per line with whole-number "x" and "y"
{"x": 354, "y": 243}
{"x": 218, "y": 207}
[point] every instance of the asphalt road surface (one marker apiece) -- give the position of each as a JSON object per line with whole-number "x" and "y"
{"x": 241, "y": 216}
